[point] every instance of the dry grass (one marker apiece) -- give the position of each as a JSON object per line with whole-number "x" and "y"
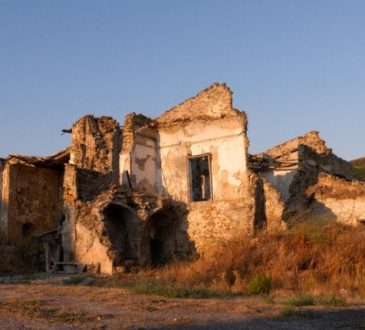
{"x": 313, "y": 258}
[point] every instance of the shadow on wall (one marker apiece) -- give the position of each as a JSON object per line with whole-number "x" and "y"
{"x": 160, "y": 239}
{"x": 299, "y": 203}
{"x": 309, "y": 209}
{"x": 3, "y": 222}
{"x": 122, "y": 226}
{"x": 165, "y": 238}
{"x": 260, "y": 218}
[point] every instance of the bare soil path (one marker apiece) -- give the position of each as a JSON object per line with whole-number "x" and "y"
{"x": 54, "y": 306}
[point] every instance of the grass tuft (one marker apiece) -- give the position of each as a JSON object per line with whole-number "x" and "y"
{"x": 300, "y": 300}
{"x": 259, "y": 284}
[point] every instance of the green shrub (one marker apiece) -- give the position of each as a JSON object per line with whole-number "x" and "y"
{"x": 259, "y": 284}
{"x": 301, "y": 300}
{"x": 359, "y": 173}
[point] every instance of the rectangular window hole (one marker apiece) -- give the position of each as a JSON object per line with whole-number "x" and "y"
{"x": 200, "y": 178}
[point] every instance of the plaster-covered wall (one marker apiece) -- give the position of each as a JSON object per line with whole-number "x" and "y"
{"x": 145, "y": 165}
{"x": 338, "y": 199}
{"x": 207, "y": 124}
{"x": 223, "y": 139}
{"x": 282, "y": 181}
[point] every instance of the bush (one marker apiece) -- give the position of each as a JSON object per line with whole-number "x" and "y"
{"x": 259, "y": 284}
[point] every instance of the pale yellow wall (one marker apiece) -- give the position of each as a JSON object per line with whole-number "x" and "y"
{"x": 223, "y": 139}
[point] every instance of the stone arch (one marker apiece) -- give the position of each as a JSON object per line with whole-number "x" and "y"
{"x": 122, "y": 230}
{"x": 160, "y": 242}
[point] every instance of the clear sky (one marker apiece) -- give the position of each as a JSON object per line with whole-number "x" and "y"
{"x": 293, "y": 65}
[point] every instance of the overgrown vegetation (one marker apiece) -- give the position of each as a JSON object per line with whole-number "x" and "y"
{"x": 359, "y": 168}
{"x": 311, "y": 257}
{"x": 321, "y": 260}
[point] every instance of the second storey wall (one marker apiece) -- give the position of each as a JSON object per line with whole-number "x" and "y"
{"x": 224, "y": 140}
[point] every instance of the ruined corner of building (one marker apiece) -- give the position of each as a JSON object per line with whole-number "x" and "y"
{"x": 155, "y": 190}
{"x": 313, "y": 183}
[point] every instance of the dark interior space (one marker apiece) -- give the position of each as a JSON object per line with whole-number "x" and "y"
{"x": 162, "y": 237}
{"x": 120, "y": 222}
{"x": 200, "y": 178}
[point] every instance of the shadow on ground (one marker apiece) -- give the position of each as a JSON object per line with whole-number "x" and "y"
{"x": 301, "y": 319}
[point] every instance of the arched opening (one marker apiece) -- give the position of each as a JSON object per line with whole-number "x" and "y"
{"x": 121, "y": 225}
{"x": 162, "y": 237}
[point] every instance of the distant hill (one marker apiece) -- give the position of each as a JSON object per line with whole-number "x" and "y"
{"x": 359, "y": 168}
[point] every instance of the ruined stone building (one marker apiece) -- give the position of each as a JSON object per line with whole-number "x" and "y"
{"x": 155, "y": 190}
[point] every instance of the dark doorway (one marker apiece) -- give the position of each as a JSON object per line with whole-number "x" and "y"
{"x": 162, "y": 229}
{"x": 121, "y": 226}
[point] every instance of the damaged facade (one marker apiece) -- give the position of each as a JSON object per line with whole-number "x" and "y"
{"x": 312, "y": 181}
{"x": 156, "y": 190}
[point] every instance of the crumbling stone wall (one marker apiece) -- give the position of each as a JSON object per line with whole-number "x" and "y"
{"x": 207, "y": 124}
{"x": 296, "y": 164}
{"x": 96, "y": 145}
{"x": 274, "y": 207}
{"x": 117, "y": 231}
{"x": 97, "y": 236}
{"x": 33, "y": 198}
{"x": 311, "y": 139}
{"x": 334, "y": 198}
{"x": 216, "y": 221}
{"x": 93, "y": 169}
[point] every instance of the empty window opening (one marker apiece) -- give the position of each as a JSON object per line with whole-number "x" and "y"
{"x": 200, "y": 175}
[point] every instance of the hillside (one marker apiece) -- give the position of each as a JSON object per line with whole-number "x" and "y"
{"x": 359, "y": 168}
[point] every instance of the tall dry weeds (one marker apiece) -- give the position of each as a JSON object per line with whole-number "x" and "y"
{"x": 311, "y": 257}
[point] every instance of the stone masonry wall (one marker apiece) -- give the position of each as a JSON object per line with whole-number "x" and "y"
{"x": 35, "y": 201}
{"x": 3, "y": 203}
{"x": 96, "y": 145}
{"x": 213, "y": 102}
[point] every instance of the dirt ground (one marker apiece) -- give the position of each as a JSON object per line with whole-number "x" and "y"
{"x": 54, "y": 306}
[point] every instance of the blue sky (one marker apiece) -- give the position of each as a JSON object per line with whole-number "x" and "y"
{"x": 293, "y": 65}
